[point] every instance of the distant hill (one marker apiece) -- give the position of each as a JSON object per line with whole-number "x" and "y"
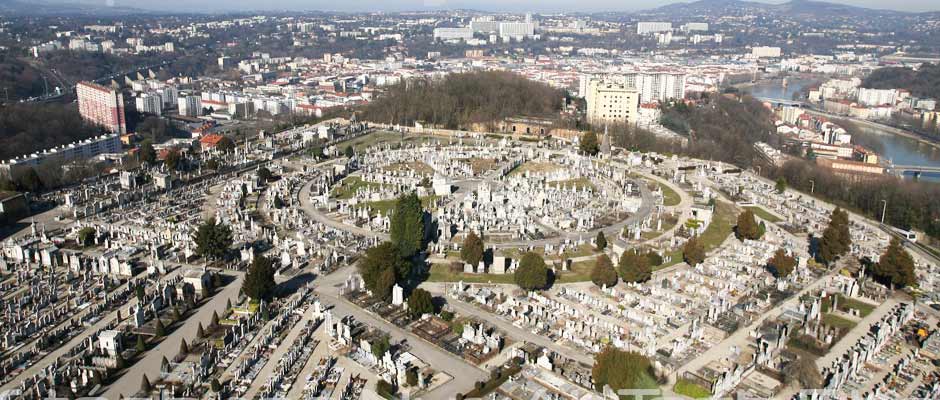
{"x": 925, "y": 82}
{"x": 793, "y": 8}
{"x": 39, "y": 8}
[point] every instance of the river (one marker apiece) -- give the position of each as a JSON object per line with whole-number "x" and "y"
{"x": 898, "y": 149}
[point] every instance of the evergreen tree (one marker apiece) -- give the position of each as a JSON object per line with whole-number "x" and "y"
{"x": 589, "y": 144}
{"x": 212, "y": 239}
{"x": 603, "y": 273}
{"x": 895, "y": 266}
{"x": 531, "y": 274}
{"x": 781, "y": 265}
{"x": 407, "y": 225}
{"x": 747, "y": 227}
{"x": 349, "y": 152}
{"x": 381, "y": 266}
{"x": 836, "y": 239}
{"x": 472, "y": 250}
{"x": 259, "y": 281}
{"x": 621, "y": 370}
{"x": 600, "y": 241}
{"x": 781, "y": 185}
{"x": 693, "y": 253}
{"x": 634, "y": 268}
{"x": 420, "y": 302}
{"x": 264, "y": 174}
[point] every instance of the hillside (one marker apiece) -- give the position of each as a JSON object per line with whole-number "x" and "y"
{"x": 458, "y": 100}
{"x": 924, "y": 82}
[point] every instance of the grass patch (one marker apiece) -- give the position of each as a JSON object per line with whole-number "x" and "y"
{"x": 764, "y": 214}
{"x": 578, "y": 183}
{"x": 443, "y": 273}
{"x": 580, "y": 272}
{"x": 691, "y": 389}
{"x": 536, "y": 167}
{"x": 418, "y": 167}
{"x": 837, "y": 322}
{"x": 722, "y": 226}
{"x": 348, "y": 187}
{"x": 845, "y": 304}
{"x": 670, "y": 197}
{"x": 386, "y": 206}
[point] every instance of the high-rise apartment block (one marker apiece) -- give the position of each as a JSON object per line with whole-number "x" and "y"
{"x": 610, "y": 102}
{"x": 101, "y": 106}
{"x": 643, "y": 28}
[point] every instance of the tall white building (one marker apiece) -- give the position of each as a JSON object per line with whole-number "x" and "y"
{"x": 877, "y": 97}
{"x": 610, "y": 102}
{"x": 695, "y": 27}
{"x": 190, "y": 106}
{"x": 643, "y": 28}
{"x": 453, "y": 33}
{"x": 516, "y": 29}
{"x": 149, "y": 103}
{"x": 651, "y": 86}
{"x": 765, "y": 52}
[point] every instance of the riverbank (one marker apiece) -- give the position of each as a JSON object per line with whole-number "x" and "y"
{"x": 879, "y": 126}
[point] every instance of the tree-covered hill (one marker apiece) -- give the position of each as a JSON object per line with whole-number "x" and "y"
{"x": 925, "y": 82}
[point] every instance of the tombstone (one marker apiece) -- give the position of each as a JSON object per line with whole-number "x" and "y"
{"x": 398, "y": 295}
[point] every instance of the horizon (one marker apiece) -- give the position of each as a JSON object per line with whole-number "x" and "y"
{"x": 541, "y": 6}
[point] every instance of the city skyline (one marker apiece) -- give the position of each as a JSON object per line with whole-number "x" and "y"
{"x": 485, "y": 5}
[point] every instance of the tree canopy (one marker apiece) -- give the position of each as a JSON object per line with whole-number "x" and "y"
{"x": 747, "y": 227}
{"x": 589, "y": 144}
{"x": 420, "y": 302}
{"x": 531, "y": 274}
{"x": 895, "y": 266}
{"x": 407, "y": 225}
{"x": 600, "y": 241}
{"x": 381, "y": 267}
{"x": 693, "y": 252}
{"x": 472, "y": 250}
{"x": 781, "y": 265}
{"x": 259, "y": 281}
{"x": 461, "y": 99}
{"x": 622, "y": 370}
{"x": 213, "y": 239}
{"x": 634, "y": 268}
{"x": 836, "y": 239}
{"x": 603, "y": 273}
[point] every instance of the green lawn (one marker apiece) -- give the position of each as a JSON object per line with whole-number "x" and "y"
{"x": 722, "y": 225}
{"x": 348, "y": 187}
{"x": 762, "y": 213}
{"x": 578, "y": 183}
{"x": 670, "y": 197}
{"x": 442, "y": 273}
{"x": 845, "y": 303}
{"x": 691, "y": 389}
{"x": 536, "y": 167}
{"x": 386, "y": 206}
{"x": 838, "y": 322}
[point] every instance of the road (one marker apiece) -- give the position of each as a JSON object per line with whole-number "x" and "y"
{"x": 129, "y": 383}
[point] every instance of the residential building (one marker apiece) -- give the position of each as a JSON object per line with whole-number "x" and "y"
{"x": 643, "y": 28}
{"x": 453, "y": 33}
{"x": 101, "y": 106}
{"x": 611, "y": 102}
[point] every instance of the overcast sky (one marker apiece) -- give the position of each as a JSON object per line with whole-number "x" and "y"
{"x": 489, "y": 5}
